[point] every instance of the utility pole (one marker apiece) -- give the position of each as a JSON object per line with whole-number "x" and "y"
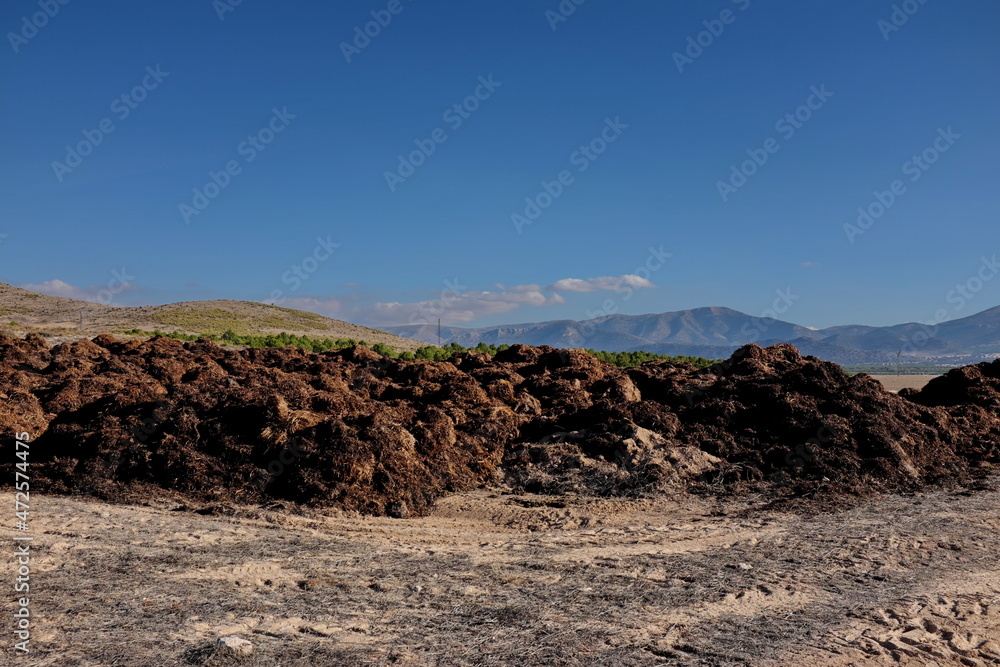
{"x": 439, "y": 332}
{"x": 81, "y": 319}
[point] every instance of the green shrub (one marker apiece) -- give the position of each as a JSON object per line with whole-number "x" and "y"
{"x": 430, "y": 352}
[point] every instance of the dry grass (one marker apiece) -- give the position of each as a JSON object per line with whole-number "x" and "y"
{"x": 219, "y": 320}
{"x": 14, "y": 310}
{"x": 58, "y": 319}
{"x": 491, "y": 579}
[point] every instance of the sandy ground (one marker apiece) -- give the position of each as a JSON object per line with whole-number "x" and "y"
{"x": 896, "y": 382}
{"x": 494, "y": 579}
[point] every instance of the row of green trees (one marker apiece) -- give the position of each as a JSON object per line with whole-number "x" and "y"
{"x": 628, "y": 359}
{"x": 432, "y": 352}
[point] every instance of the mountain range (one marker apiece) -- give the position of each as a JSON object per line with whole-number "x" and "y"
{"x": 713, "y": 332}
{"x": 716, "y": 331}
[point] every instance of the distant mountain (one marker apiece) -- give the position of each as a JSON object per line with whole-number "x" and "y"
{"x": 711, "y": 327}
{"x": 715, "y": 332}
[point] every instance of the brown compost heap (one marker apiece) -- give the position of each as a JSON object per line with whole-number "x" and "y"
{"x": 352, "y": 429}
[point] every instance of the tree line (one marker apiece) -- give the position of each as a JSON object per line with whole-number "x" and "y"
{"x": 431, "y": 352}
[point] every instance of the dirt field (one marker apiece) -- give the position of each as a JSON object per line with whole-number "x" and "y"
{"x": 493, "y": 579}
{"x": 897, "y": 382}
{"x": 681, "y": 562}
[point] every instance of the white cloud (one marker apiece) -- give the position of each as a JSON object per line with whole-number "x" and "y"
{"x": 602, "y": 283}
{"x": 55, "y": 288}
{"x": 455, "y": 304}
{"x": 93, "y": 294}
{"x": 572, "y": 285}
{"x": 456, "y": 307}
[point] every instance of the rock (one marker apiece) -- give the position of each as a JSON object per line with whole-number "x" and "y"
{"x": 233, "y": 645}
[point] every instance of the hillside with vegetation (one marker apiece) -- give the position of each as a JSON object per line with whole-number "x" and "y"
{"x": 431, "y": 352}
{"x": 59, "y": 319}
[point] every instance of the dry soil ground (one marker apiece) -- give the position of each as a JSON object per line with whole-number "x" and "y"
{"x": 897, "y": 382}
{"x": 494, "y": 579}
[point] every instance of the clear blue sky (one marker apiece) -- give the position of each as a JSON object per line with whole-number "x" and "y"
{"x": 606, "y": 66}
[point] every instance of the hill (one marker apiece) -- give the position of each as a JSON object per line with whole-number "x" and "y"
{"x": 717, "y": 331}
{"x": 60, "y": 318}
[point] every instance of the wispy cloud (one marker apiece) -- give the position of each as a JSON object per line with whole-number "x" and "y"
{"x": 94, "y": 293}
{"x": 456, "y": 305}
{"x": 602, "y": 283}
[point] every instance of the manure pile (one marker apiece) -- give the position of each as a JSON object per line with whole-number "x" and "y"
{"x": 351, "y": 429}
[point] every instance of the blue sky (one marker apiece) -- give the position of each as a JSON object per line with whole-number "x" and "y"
{"x": 644, "y": 140}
